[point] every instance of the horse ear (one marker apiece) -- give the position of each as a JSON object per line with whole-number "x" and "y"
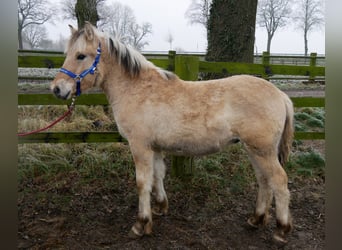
{"x": 72, "y": 29}
{"x": 89, "y": 31}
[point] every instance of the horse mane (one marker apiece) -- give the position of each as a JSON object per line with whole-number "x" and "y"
{"x": 129, "y": 58}
{"x": 132, "y": 61}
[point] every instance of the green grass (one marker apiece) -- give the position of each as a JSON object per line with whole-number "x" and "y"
{"x": 309, "y": 119}
{"x": 308, "y": 163}
{"x": 89, "y": 160}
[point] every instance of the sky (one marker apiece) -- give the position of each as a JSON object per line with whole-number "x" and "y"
{"x": 168, "y": 17}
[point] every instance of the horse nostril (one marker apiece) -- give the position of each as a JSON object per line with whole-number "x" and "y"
{"x": 56, "y": 90}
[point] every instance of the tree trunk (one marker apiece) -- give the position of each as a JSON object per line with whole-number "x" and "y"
{"x": 231, "y": 30}
{"x": 269, "y": 41}
{"x": 86, "y": 10}
{"x": 305, "y": 43}
{"x": 20, "y": 37}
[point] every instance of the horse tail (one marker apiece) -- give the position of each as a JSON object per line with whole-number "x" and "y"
{"x": 285, "y": 144}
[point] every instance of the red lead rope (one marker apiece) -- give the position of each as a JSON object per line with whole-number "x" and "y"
{"x": 70, "y": 109}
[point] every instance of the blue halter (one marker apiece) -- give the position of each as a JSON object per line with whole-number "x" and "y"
{"x": 78, "y": 78}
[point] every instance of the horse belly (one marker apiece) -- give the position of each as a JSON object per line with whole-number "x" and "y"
{"x": 193, "y": 144}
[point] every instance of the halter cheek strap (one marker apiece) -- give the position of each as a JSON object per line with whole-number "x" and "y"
{"x": 78, "y": 77}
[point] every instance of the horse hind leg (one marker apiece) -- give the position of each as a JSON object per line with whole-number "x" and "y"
{"x": 158, "y": 191}
{"x": 264, "y": 200}
{"x": 278, "y": 182}
{"x": 272, "y": 179}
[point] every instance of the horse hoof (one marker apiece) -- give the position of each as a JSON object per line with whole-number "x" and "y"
{"x": 256, "y": 220}
{"x": 282, "y": 231}
{"x": 279, "y": 238}
{"x": 251, "y": 222}
{"x": 133, "y": 235}
{"x": 159, "y": 211}
{"x": 160, "y": 208}
{"x": 136, "y": 232}
{"x": 140, "y": 228}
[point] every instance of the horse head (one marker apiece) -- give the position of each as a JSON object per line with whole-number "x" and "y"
{"x": 80, "y": 69}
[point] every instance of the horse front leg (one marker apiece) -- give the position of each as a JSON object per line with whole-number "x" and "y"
{"x": 143, "y": 159}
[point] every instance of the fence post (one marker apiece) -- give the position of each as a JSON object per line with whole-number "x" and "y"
{"x": 266, "y": 62}
{"x": 313, "y": 61}
{"x": 186, "y": 67}
{"x": 265, "y": 58}
{"x": 171, "y": 58}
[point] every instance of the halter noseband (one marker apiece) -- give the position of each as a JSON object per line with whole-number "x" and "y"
{"x": 78, "y": 78}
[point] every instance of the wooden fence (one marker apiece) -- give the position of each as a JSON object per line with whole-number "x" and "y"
{"x": 187, "y": 68}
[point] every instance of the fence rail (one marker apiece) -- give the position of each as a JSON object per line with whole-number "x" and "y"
{"x": 282, "y": 59}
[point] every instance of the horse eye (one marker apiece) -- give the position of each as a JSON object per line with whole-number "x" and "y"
{"x": 81, "y": 57}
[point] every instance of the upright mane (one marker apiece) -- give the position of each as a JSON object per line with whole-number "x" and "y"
{"x": 132, "y": 61}
{"x": 129, "y": 58}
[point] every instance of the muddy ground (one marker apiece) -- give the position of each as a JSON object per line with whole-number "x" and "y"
{"x": 72, "y": 213}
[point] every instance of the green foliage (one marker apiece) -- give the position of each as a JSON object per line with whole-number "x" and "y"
{"x": 314, "y": 122}
{"x": 307, "y": 163}
{"x": 300, "y": 127}
{"x": 302, "y": 116}
{"x": 309, "y": 119}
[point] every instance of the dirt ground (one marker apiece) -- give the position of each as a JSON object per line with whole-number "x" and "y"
{"x": 98, "y": 215}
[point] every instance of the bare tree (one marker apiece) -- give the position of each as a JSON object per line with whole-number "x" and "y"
{"x": 34, "y": 35}
{"x": 116, "y": 19}
{"x": 119, "y": 20}
{"x": 169, "y": 38}
{"x": 198, "y": 12}
{"x": 139, "y": 33}
{"x": 31, "y": 12}
{"x": 308, "y": 16}
{"x": 272, "y": 15}
{"x": 68, "y": 9}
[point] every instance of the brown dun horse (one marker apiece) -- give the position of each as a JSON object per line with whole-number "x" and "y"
{"x": 157, "y": 112}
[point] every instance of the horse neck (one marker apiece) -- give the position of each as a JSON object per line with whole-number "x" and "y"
{"x": 118, "y": 84}
{"x": 115, "y": 84}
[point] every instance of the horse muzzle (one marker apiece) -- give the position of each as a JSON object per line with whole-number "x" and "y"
{"x": 62, "y": 89}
